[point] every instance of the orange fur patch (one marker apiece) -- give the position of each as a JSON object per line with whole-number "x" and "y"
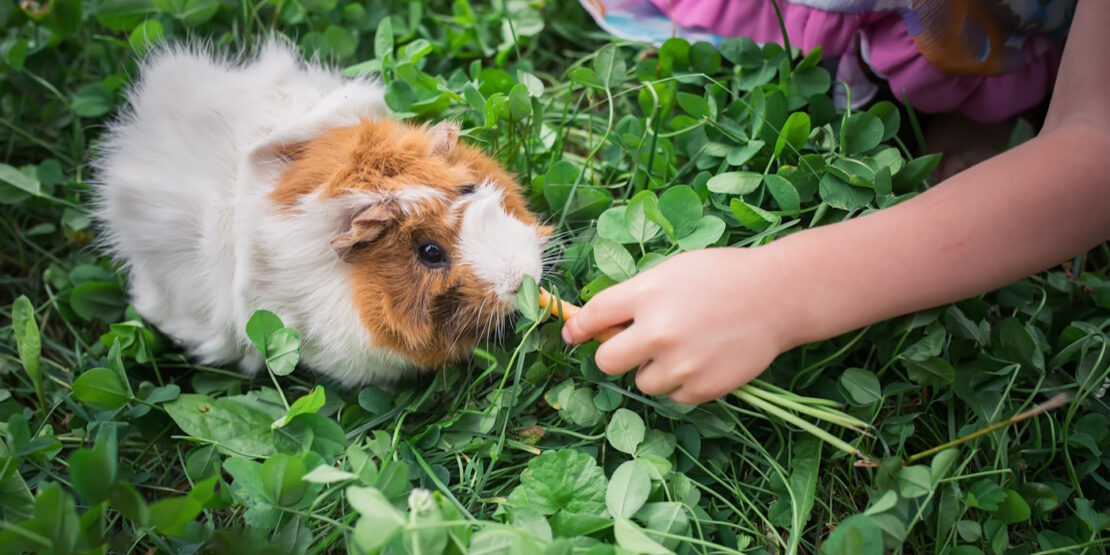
{"x": 430, "y": 315}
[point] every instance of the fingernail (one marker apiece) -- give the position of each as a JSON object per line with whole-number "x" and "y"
{"x": 566, "y": 335}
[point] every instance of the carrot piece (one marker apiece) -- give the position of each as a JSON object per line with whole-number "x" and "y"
{"x": 565, "y": 310}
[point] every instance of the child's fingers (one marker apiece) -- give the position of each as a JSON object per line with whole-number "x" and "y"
{"x": 696, "y": 392}
{"x": 623, "y": 352}
{"x": 609, "y": 308}
{"x": 655, "y": 379}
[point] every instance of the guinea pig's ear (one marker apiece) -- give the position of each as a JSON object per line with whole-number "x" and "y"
{"x": 444, "y": 136}
{"x": 367, "y": 225}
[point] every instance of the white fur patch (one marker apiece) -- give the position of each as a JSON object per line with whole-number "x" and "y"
{"x": 182, "y": 184}
{"x": 499, "y": 248}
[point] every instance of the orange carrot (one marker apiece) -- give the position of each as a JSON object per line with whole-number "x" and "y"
{"x": 565, "y": 310}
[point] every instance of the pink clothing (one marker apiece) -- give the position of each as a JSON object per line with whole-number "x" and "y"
{"x": 882, "y": 39}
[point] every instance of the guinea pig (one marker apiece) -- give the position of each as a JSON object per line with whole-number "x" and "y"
{"x": 230, "y": 185}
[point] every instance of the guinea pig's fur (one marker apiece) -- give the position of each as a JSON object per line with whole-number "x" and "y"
{"x": 230, "y": 186}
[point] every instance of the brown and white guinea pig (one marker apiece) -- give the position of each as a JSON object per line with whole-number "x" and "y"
{"x": 229, "y": 186}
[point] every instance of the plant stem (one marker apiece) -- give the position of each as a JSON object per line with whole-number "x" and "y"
{"x": 795, "y": 420}
{"x": 1057, "y": 401}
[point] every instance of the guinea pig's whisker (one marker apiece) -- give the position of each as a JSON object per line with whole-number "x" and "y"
{"x": 478, "y": 319}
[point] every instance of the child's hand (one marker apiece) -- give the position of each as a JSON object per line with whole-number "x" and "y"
{"x": 703, "y": 323}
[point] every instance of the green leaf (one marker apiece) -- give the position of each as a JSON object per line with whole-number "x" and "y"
{"x": 240, "y": 423}
{"x": 613, "y": 260}
{"x": 325, "y": 474}
{"x": 570, "y": 524}
{"x": 625, "y": 431}
{"x": 498, "y": 541}
{"x": 741, "y": 154}
{"x": 805, "y": 466}
{"x": 527, "y": 300}
{"x": 534, "y": 85}
{"x": 856, "y": 535}
{"x": 26, "y": 183}
{"x": 532, "y": 523}
{"x": 129, "y": 503}
{"x": 520, "y": 103}
{"x": 423, "y": 511}
{"x": 588, "y": 201}
{"x": 784, "y": 192}
{"x": 16, "y": 501}
{"x": 942, "y": 463}
{"x": 55, "y": 519}
{"x": 610, "y": 67}
{"x": 123, "y": 15}
{"x": 563, "y": 480}
{"x": 752, "y": 217}
{"x": 1013, "y": 509}
{"x": 705, "y": 58}
{"x": 843, "y": 196}
{"x": 92, "y": 101}
{"x": 311, "y": 432}
{"x": 709, "y": 229}
{"x": 682, "y": 207}
{"x": 145, "y": 35}
{"x": 640, "y": 226}
{"x": 674, "y": 54}
{"x": 632, "y": 538}
{"x": 811, "y": 81}
{"x": 93, "y": 471}
{"x": 586, "y": 76}
{"x": 383, "y": 38}
{"x": 862, "y": 131}
{"x": 376, "y": 401}
{"x": 986, "y": 495}
{"x": 170, "y": 515}
{"x": 861, "y": 387}
{"x": 610, "y": 225}
{"x": 657, "y": 443}
{"x": 1018, "y": 345}
{"x": 628, "y": 489}
{"x": 1095, "y": 520}
{"x": 1023, "y": 131}
{"x": 306, "y": 404}
{"x": 580, "y": 408}
{"x": 735, "y": 183}
{"x": 794, "y": 133}
{"x": 261, "y": 325}
{"x": 341, "y": 42}
{"x": 202, "y": 463}
{"x": 667, "y": 517}
{"x": 281, "y": 477}
{"x": 1040, "y": 496}
{"x": 914, "y": 172}
{"x": 890, "y": 117}
{"x": 884, "y": 503}
{"x": 932, "y": 371}
{"x": 191, "y": 12}
{"x": 100, "y": 300}
{"x": 416, "y": 50}
{"x": 28, "y": 343}
{"x": 101, "y": 387}
{"x": 692, "y": 104}
{"x": 283, "y": 351}
{"x": 915, "y": 481}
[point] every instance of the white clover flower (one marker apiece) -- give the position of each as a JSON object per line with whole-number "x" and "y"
{"x": 421, "y": 501}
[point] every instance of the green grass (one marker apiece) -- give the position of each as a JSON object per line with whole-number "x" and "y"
{"x": 112, "y": 440}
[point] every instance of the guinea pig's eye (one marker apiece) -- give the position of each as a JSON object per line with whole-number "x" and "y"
{"x": 431, "y": 254}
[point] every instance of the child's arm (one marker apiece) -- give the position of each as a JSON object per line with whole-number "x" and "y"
{"x": 717, "y": 318}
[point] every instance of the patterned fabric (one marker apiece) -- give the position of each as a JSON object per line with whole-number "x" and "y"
{"x": 989, "y": 59}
